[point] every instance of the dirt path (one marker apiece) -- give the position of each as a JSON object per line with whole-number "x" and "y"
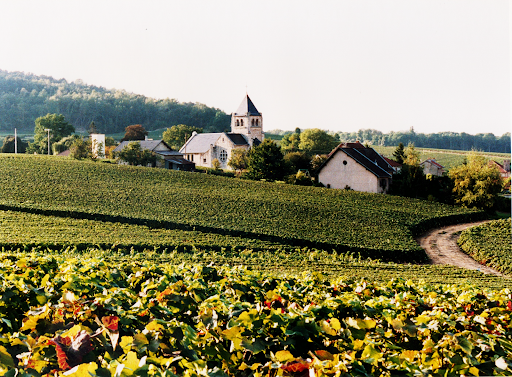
{"x": 441, "y": 247}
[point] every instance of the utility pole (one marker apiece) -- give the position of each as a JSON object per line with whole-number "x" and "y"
{"x": 48, "y": 130}
{"x": 15, "y": 141}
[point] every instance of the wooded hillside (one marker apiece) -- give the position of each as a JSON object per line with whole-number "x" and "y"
{"x": 25, "y": 97}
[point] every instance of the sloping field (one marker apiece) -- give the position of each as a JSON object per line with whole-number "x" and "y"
{"x": 449, "y": 158}
{"x": 377, "y": 226}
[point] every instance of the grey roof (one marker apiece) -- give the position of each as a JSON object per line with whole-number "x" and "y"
{"x": 247, "y": 107}
{"x": 237, "y": 139}
{"x": 200, "y": 143}
{"x": 370, "y": 165}
{"x": 144, "y": 144}
{"x": 367, "y": 157}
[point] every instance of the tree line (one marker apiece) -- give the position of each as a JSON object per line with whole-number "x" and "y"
{"x": 25, "y": 97}
{"x": 486, "y": 142}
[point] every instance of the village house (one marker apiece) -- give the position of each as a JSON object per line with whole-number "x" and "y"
{"x": 169, "y": 158}
{"x": 356, "y": 167}
{"x": 503, "y": 169}
{"x": 432, "y": 167}
{"x": 246, "y": 131}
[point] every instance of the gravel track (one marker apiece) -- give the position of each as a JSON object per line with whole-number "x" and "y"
{"x": 441, "y": 247}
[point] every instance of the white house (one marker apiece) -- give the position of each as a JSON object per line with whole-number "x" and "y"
{"x": 356, "y": 167}
{"x": 246, "y": 131}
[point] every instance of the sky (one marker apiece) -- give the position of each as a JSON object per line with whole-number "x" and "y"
{"x": 340, "y": 65}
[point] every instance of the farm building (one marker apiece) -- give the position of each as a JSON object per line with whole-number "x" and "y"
{"x": 504, "y": 168}
{"x": 169, "y": 158}
{"x": 432, "y": 167}
{"x": 356, "y": 167}
{"x": 246, "y": 131}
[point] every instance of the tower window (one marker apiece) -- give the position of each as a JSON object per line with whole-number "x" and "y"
{"x": 252, "y": 123}
{"x": 237, "y": 123}
{"x": 241, "y": 122}
{"x": 257, "y": 122}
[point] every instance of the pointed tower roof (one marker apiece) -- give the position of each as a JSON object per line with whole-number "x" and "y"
{"x": 247, "y": 107}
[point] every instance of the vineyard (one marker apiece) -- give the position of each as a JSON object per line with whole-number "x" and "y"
{"x": 372, "y": 226}
{"x": 87, "y": 317}
{"x": 122, "y": 271}
{"x": 490, "y": 243}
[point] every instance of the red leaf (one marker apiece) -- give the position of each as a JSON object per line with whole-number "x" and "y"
{"x": 110, "y": 322}
{"x": 509, "y": 305}
{"x": 70, "y": 352}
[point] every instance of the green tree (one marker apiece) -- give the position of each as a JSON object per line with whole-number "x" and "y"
{"x": 399, "y": 153}
{"x": 58, "y": 127}
{"x": 8, "y": 145}
{"x": 133, "y": 154}
{"x": 238, "y": 160}
{"x": 266, "y": 161}
{"x": 411, "y": 180}
{"x": 476, "y": 183}
{"x": 314, "y": 140}
{"x": 81, "y": 149}
{"x": 298, "y": 161}
{"x": 64, "y": 143}
{"x": 135, "y": 132}
{"x": 92, "y": 128}
{"x": 178, "y": 135}
{"x": 291, "y": 142}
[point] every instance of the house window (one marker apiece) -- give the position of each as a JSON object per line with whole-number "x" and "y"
{"x": 204, "y": 160}
{"x": 223, "y": 155}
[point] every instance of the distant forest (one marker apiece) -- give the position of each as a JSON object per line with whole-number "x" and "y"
{"x": 486, "y": 142}
{"x": 25, "y": 97}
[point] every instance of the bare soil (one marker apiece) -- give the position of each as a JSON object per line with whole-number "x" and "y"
{"x": 441, "y": 247}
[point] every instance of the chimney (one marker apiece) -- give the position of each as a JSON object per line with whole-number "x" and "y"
{"x": 506, "y": 165}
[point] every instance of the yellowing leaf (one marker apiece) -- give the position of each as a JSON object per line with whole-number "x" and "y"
{"x": 284, "y": 356}
{"x": 371, "y": 355}
{"x": 335, "y": 324}
{"x": 154, "y": 326}
{"x": 82, "y": 370}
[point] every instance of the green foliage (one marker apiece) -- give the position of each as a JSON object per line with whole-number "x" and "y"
{"x": 134, "y": 132}
{"x": 489, "y": 244}
{"x": 290, "y": 142}
{"x": 9, "y": 147}
{"x": 64, "y": 143}
{"x": 265, "y": 161}
{"x": 399, "y": 154}
{"x": 216, "y": 164}
{"x": 177, "y": 136}
{"x": 141, "y": 318}
{"x": 476, "y": 183}
{"x": 375, "y": 226}
{"x": 81, "y": 149}
{"x": 134, "y": 155}
{"x": 27, "y": 96}
{"x": 410, "y": 181}
{"x": 298, "y": 161}
{"x": 316, "y": 141}
{"x": 238, "y": 160}
{"x": 58, "y": 126}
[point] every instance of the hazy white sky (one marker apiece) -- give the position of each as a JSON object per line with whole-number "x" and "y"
{"x": 435, "y": 65}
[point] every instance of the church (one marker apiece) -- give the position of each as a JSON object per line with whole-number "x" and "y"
{"x": 246, "y": 131}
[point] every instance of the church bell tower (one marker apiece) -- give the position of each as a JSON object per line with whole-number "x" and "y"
{"x": 248, "y": 121}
